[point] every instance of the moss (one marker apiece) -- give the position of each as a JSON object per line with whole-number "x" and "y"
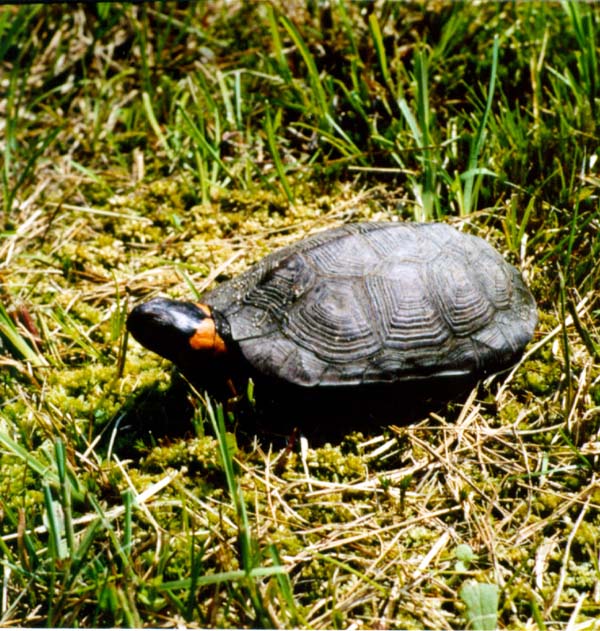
{"x": 191, "y": 234}
{"x": 85, "y": 393}
{"x": 330, "y": 463}
{"x": 545, "y": 503}
{"x": 286, "y": 541}
{"x": 581, "y": 576}
{"x": 510, "y": 412}
{"x": 588, "y": 533}
{"x": 595, "y": 496}
{"x": 513, "y": 556}
{"x": 406, "y": 621}
{"x": 540, "y": 376}
{"x": 314, "y": 575}
{"x": 198, "y": 455}
{"x": 14, "y": 412}
{"x": 595, "y": 394}
{"x": 329, "y": 509}
{"x": 418, "y": 535}
{"x": 19, "y": 487}
{"x": 263, "y": 203}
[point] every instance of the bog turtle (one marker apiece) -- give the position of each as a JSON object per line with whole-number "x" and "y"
{"x": 365, "y": 303}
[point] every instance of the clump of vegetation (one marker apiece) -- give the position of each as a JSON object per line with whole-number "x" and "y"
{"x": 162, "y": 147}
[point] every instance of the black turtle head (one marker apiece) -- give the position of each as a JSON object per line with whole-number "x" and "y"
{"x": 183, "y": 332}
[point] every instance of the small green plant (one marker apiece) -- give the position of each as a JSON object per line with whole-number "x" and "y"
{"x": 464, "y": 557}
{"x": 481, "y": 602}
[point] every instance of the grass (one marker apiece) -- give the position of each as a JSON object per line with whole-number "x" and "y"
{"x": 158, "y": 148}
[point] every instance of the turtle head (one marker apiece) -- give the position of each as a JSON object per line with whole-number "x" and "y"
{"x": 183, "y": 332}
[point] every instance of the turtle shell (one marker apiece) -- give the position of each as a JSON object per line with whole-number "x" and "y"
{"x": 378, "y": 302}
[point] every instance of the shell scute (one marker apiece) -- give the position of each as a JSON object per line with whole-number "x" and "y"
{"x": 461, "y": 300}
{"x": 331, "y": 321}
{"x": 409, "y": 318}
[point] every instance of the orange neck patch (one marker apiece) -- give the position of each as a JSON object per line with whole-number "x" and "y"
{"x": 206, "y": 337}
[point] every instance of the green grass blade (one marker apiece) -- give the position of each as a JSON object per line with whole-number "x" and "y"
{"x": 152, "y": 120}
{"x": 30, "y": 460}
{"x": 217, "y": 420}
{"x": 380, "y": 51}
{"x": 101, "y": 181}
{"x": 279, "y": 168}
{"x": 196, "y": 566}
{"x": 127, "y": 496}
{"x": 222, "y": 577}
{"x": 226, "y": 99}
{"x": 295, "y": 619}
{"x": 584, "y": 29}
{"x": 566, "y": 345}
{"x": 9, "y": 330}
{"x": 374, "y": 584}
{"x": 429, "y": 197}
{"x": 280, "y": 56}
{"x": 320, "y": 105}
{"x": 478, "y": 139}
{"x": 199, "y": 137}
{"x": 73, "y": 330}
{"x": 65, "y": 493}
{"x": 55, "y": 523}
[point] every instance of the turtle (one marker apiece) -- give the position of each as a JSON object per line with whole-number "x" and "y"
{"x": 362, "y": 304}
